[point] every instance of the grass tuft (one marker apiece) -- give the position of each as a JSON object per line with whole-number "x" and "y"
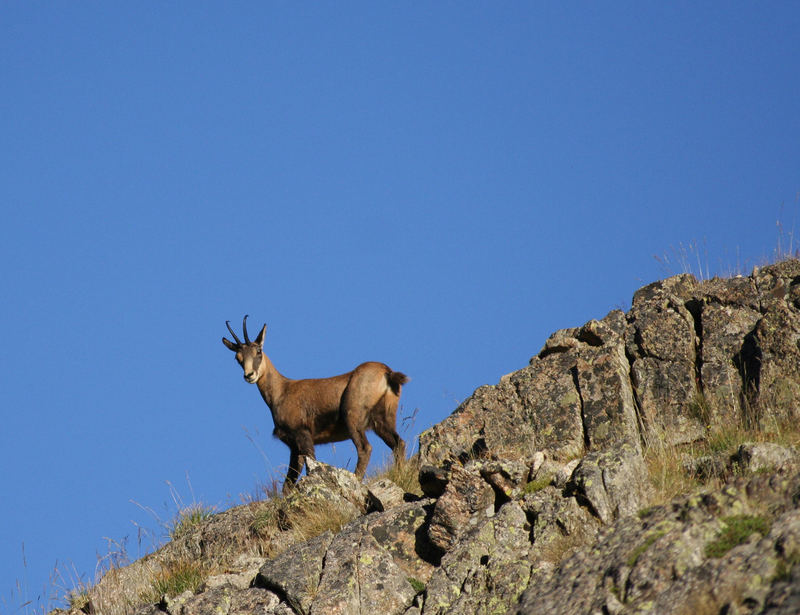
{"x": 79, "y": 599}
{"x": 314, "y": 520}
{"x": 188, "y": 519}
{"x": 181, "y": 576}
{"x": 538, "y": 484}
{"x": 404, "y": 473}
{"x": 275, "y": 527}
{"x": 418, "y": 585}
{"x": 738, "y": 529}
{"x": 700, "y": 408}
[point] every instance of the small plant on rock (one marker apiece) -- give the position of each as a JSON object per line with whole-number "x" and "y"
{"x": 538, "y": 484}
{"x": 404, "y": 473}
{"x": 180, "y": 576}
{"x": 189, "y": 518}
{"x": 737, "y": 530}
{"x": 418, "y": 585}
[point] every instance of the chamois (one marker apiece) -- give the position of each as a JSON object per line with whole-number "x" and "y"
{"x": 319, "y": 410}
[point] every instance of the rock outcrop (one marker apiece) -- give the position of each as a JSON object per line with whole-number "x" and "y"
{"x": 537, "y": 494}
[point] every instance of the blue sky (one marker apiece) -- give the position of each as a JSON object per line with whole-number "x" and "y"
{"x": 437, "y": 186}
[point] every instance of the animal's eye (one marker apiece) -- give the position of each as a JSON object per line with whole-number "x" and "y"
{"x": 258, "y": 352}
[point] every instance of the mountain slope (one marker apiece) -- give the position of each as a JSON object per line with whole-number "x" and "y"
{"x": 644, "y": 462}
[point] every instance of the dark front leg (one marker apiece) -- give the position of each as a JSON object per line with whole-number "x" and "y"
{"x": 305, "y": 444}
{"x": 296, "y": 463}
{"x": 303, "y": 447}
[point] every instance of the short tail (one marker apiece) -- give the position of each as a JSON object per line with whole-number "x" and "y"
{"x": 396, "y": 380}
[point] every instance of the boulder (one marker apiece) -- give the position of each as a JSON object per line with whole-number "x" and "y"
{"x": 771, "y": 367}
{"x": 724, "y": 330}
{"x": 763, "y": 456}
{"x": 295, "y": 574}
{"x": 559, "y": 525}
{"x": 678, "y": 558}
{"x": 359, "y": 576}
{"x": 506, "y": 476}
{"x": 227, "y": 601}
{"x": 402, "y": 532}
{"x": 334, "y": 486}
{"x": 487, "y": 571}
{"x": 662, "y": 341}
{"x": 383, "y": 494}
{"x": 466, "y": 501}
{"x": 576, "y": 393}
{"x": 608, "y": 409}
{"x": 612, "y": 483}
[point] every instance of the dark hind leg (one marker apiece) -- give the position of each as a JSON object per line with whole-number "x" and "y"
{"x": 384, "y": 419}
{"x": 393, "y": 440}
{"x": 363, "y": 447}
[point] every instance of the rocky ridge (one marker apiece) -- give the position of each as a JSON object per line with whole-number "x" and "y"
{"x": 536, "y": 493}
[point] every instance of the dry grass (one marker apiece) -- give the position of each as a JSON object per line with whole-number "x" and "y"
{"x": 121, "y": 587}
{"x": 667, "y": 463}
{"x": 309, "y": 522}
{"x": 403, "y": 473}
{"x": 693, "y": 257}
{"x": 78, "y": 598}
{"x": 556, "y": 549}
{"x": 189, "y": 518}
{"x": 180, "y": 576}
{"x": 275, "y": 526}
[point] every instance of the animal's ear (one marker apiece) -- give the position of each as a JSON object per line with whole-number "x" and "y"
{"x": 230, "y": 344}
{"x": 260, "y": 337}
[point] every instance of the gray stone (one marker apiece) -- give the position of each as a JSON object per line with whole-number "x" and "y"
{"x": 604, "y": 385}
{"x": 725, "y": 328}
{"x": 559, "y": 525}
{"x": 772, "y": 368}
{"x": 487, "y": 571}
{"x": 230, "y": 601}
{"x": 507, "y": 477}
{"x": 400, "y": 531}
{"x": 760, "y": 456}
{"x": 335, "y": 486}
{"x": 466, "y": 501}
{"x": 662, "y": 343}
{"x": 383, "y": 494}
{"x": 359, "y": 576}
{"x": 612, "y": 483}
{"x": 658, "y": 562}
{"x": 295, "y": 574}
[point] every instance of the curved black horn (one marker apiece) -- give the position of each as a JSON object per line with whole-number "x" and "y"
{"x": 244, "y": 328}
{"x": 228, "y": 324}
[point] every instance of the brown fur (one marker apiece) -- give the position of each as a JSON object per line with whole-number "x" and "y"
{"x": 319, "y": 410}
